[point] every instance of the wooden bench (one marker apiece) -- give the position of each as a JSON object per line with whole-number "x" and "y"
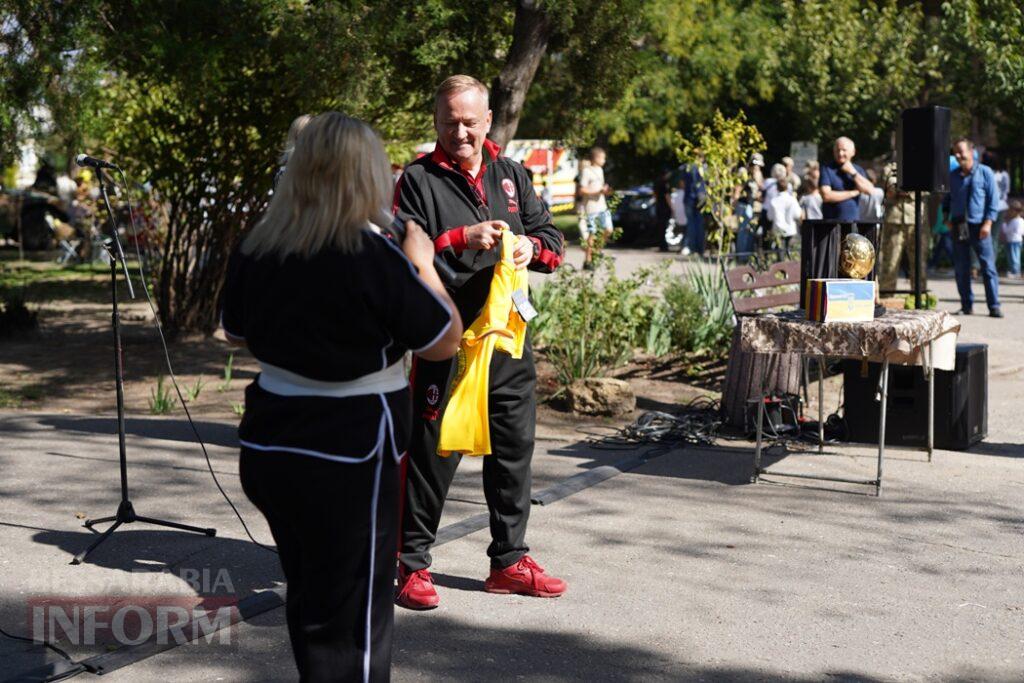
{"x": 744, "y": 369}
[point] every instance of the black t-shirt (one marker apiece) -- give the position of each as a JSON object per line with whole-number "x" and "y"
{"x": 334, "y": 317}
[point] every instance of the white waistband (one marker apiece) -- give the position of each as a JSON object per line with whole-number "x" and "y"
{"x": 285, "y": 383}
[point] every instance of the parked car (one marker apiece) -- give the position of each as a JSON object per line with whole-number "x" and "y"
{"x": 636, "y": 214}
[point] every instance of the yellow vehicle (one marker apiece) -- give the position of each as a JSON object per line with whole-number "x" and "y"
{"x": 550, "y": 163}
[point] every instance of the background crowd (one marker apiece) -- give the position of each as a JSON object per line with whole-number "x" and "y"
{"x": 771, "y": 202}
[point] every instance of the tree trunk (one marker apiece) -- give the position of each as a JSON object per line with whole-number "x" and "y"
{"x": 531, "y": 33}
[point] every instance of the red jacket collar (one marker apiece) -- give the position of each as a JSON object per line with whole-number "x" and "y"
{"x": 441, "y": 158}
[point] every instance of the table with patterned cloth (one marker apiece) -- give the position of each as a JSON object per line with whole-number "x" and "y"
{"x": 896, "y": 337}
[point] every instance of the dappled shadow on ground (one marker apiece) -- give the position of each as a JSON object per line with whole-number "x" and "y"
{"x": 731, "y": 465}
{"x": 435, "y": 647}
{"x": 212, "y": 433}
{"x": 70, "y": 358}
{"x": 146, "y": 564}
{"x": 430, "y": 646}
{"x": 140, "y": 547}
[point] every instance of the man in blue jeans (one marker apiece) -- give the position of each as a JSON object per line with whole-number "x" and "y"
{"x": 694, "y": 199}
{"x": 972, "y": 206}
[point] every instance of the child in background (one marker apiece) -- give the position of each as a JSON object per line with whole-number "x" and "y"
{"x": 785, "y": 214}
{"x": 1013, "y": 233}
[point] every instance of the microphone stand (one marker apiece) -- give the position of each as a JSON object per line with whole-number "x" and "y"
{"x": 125, "y": 510}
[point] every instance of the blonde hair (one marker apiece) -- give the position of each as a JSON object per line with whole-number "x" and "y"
{"x": 337, "y": 181}
{"x": 456, "y": 84}
{"x": 293, "y": 134}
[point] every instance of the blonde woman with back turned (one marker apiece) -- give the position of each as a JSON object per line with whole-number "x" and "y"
{"x": 329, "y": 307}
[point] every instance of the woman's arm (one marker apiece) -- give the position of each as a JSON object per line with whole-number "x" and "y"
{"x": 420, "y": 251}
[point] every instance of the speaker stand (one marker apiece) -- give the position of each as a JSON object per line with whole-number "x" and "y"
{"x": 918, "y": 252}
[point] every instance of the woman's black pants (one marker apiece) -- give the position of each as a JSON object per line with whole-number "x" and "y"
{"x": 335, "y": 525}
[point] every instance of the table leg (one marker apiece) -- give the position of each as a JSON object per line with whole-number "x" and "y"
{"x": 881, "y": 424}
{"x": 760, "y": 418}
{"x": 931, "y": 400}
{"x": 821, "y": 404}
{"x": 805, "y": 363}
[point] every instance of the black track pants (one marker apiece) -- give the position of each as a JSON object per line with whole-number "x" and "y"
{"x": 320, "y": 515}
{"x": 512, "y": 406}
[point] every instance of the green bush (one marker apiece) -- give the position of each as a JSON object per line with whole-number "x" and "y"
{"x": 704, "y": 315}
{"x": 590, "y": 322}
{"x": 929, "y": 301}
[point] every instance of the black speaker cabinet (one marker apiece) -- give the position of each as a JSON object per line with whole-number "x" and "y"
{"x": 961, "y": 402}
{"x": 922, "y": 143}
{"x": 820, "y": 242}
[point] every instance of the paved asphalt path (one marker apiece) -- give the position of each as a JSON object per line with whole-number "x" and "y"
{"x": 678, "y": 570}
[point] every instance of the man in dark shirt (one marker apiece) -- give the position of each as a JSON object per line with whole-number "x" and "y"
{"x": 465, "y": 194}
{"x": 842, "y": 183}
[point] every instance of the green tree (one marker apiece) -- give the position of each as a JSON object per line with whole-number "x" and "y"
{"x": 202, "y": 92}
{"x": 849, "y": 66}
{"x": 199, "y": 95}
{"x": 982, "y": 61}
{"x": 693, "y": 57}
{"x": 46, "y": 75}
{"x": 721, "y": 149}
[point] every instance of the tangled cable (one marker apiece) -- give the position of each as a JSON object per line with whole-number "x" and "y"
{"x": 698, "y": 423}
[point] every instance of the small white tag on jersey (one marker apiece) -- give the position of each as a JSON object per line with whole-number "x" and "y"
{"x": 523, "y": 305}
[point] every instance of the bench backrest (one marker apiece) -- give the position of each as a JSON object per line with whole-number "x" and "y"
{"x": 746, "y": 279}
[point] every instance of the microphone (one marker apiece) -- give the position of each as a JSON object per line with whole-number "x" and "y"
{"x": 444, "y": 271}
{"x": 93, "y": 162}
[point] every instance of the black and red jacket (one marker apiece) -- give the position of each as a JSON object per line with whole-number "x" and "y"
{"x": 439, "y": 196}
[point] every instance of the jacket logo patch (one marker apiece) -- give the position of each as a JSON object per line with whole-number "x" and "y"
{"x": 509, "y": 187}
{"x": 513, "y": 206}
{"x": 433, "y": 394}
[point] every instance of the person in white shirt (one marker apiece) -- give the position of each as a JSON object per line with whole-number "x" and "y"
{"x": 594, "y": 214}
{"x": 1013, "y": 234}
{"x": 785, "y": 211}
{"x": 769, "y": 192}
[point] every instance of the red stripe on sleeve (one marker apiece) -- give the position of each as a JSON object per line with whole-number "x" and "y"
{"x": 549, "y": 258}
{"x": 454, "y": 238}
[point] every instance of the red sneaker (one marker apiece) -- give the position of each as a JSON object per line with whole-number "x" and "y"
{"x": 416, "y": 590}
{"x": 525, "y": 577}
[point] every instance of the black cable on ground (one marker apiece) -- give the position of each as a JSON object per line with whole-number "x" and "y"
{"x": 49, "y": 645}
{"x": 698, "y": 423}
{"x": 170, "y": 368}
{"x": 76, "y": 667}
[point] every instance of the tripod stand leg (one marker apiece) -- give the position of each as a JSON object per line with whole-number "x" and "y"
{"x": 176, "y": 525}
{"x": 88, "y": 524}
{"x": 81, "y": 556}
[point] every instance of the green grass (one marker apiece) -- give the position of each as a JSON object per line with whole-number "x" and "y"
{"x": 47, "y": 280}
{"x": 569, "y": 225}
{"x": 14, "y": 398}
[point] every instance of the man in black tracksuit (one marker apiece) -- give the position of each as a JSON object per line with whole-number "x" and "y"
{"x": 464, "y": 194}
